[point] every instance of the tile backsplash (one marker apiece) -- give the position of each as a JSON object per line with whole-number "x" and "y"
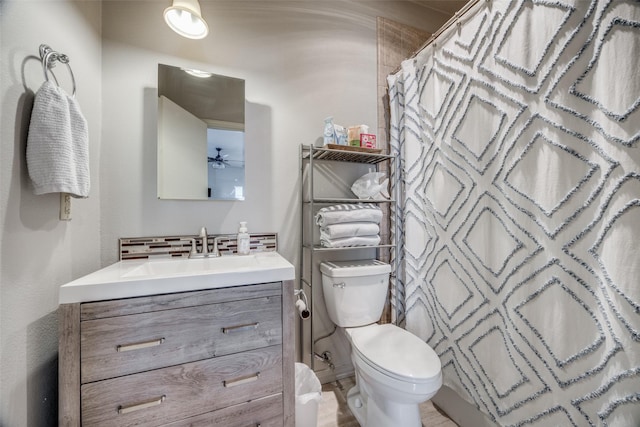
{"x": 180, "y": 246}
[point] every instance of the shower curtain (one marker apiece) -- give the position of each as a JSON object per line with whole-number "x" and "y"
{"x": 518, "y": 132}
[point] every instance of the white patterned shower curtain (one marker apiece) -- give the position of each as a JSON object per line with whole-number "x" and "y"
{"x": 518, "y": 134}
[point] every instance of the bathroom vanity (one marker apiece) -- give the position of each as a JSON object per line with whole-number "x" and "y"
{"x": 179, "y": 342}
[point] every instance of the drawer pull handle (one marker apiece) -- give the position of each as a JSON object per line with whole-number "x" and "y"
{"x": 242, "y": 380}
{"x": 139, "y": 345}
{"x": 239, "y": 328}
{"x": 142, "y": 405}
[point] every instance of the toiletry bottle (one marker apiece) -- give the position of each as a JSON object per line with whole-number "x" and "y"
{"x": 329, "y": 133}
{"x": 243, "y": 239}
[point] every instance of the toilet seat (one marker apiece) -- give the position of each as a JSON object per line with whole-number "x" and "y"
{"x": 395, "y": 352}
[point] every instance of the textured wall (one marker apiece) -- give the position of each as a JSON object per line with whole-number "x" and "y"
{"x": 38, "y": 253}
{"x": 396, "y": 42}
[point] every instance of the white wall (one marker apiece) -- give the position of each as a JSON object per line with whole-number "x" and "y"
{"x": 38, "y": 253}
{"x": 302, "y": 60}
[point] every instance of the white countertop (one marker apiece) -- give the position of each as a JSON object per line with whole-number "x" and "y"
{"x": 126, "y": 279}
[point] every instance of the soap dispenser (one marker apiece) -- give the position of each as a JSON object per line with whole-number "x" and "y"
{"x": 243, "y": 239}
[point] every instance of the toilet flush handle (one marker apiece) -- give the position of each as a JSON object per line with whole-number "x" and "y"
{"x": 340, "y": 285}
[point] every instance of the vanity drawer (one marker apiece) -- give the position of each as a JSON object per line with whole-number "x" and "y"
{"x": 170, "y": 394}
{"x": 263, "y": 412}
{"x": 116, "y": 346}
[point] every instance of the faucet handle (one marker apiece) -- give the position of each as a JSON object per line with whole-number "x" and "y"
{"x": 194, "y": 251}
{"x": 216, "y": 251}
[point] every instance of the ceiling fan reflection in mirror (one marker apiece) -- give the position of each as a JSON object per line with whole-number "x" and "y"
{"x": 220, "y": 161}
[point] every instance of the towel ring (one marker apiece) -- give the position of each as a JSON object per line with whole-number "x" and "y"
{"x": 49, "y": 58}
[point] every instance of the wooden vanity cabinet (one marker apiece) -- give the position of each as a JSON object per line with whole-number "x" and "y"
{"x": 218, "y": 357}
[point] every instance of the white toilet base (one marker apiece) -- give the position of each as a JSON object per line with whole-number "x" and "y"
{"x": 356, "y": 404}
{"x": 369, "y": 414}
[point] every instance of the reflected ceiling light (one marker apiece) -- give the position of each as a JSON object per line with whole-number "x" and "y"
{"x": 184, "y": 17}
{"x": 197, "y": 73}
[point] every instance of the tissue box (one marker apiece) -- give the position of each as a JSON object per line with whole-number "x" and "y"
{"x": 367, "y": 140}
{"x": 353, "y": 137}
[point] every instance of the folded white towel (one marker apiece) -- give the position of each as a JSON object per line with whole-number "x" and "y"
{"x": 348, "y": 242}
{"x": 365, "y": 212}
{"x": 58, "y": 144}
{"x": 349, "y": 229}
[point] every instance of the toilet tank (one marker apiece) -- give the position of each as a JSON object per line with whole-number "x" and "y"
{"x": 355, "y": 291}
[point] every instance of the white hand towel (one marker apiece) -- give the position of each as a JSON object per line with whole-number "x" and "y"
{"x": 58, "y": 144}
{"x": 349, "y": 229}
{"x": 348, "y": 242}
{"x": 335, "y": 214}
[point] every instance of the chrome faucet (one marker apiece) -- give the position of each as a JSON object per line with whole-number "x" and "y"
{"x": 204, "y": 253}
{"x": 205, "y": 242}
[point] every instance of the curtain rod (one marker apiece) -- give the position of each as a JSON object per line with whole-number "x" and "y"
{"x": 455, "y": 18}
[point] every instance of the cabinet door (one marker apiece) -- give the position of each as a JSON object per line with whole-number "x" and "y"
{"x": 175, "y": 393}
{"x": 125, "y": 345}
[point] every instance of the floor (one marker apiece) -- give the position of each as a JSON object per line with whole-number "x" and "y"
{"x": 333, "y": 410}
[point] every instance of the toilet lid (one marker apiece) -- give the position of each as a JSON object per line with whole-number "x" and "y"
{"x": 395, "y": 351}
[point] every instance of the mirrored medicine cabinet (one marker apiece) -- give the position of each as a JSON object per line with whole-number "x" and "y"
{"x": 201, "y": 145}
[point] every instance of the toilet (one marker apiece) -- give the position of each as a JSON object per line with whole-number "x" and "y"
{"x": 395, "y": 370}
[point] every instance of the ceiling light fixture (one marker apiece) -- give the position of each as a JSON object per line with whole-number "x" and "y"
{"x": 185, "y": 18}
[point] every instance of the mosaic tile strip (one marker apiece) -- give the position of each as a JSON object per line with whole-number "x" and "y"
{"x": 180, "y": 246}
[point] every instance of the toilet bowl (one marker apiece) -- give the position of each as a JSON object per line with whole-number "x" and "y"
{"x": 395, "y": 370}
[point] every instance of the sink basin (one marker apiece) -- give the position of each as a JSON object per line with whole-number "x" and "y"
{"x": 181, "y": 267}
{"x": 134, "y": 278}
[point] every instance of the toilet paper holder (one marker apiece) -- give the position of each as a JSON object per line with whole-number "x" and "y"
{"x": 302, "y": 304}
